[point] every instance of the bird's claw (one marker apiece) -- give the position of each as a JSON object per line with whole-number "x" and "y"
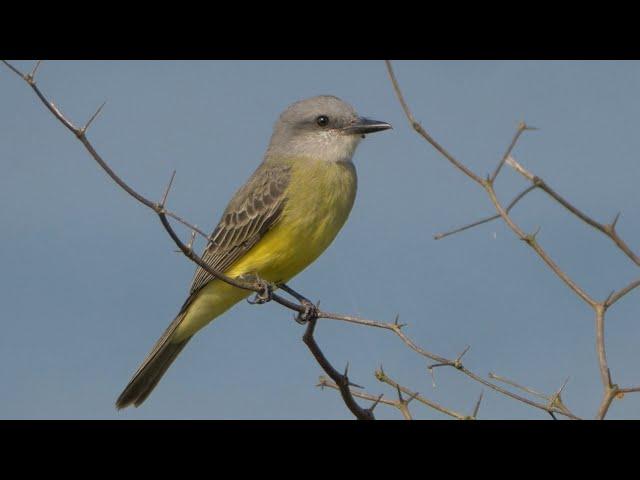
{"x": 310, "y": 312}
{"x": 264, "y": 295}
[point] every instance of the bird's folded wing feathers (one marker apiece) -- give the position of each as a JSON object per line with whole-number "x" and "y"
{"x": 252, "y": 211}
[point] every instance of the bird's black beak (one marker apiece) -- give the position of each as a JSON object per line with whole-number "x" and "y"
{"x": 363, "y": 126}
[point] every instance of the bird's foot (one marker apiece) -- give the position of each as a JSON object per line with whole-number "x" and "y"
{"x": 310, "y": 312}
{"x": 264, "y": 294}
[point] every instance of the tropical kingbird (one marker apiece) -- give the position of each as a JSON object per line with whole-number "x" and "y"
{"x": 276, "y": 224}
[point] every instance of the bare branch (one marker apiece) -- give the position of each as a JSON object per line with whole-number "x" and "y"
{"x": 521, "y": 128}
{"x": 15, "y": 70}
{"x": 476, "y": 408}
{"x": 528, "y": 390}
{"x": 325, "y": 382}
{"x": 520, "y": 169}
{"x": 513, "y": 203}
{"x": 605, "y": 374}
{"x": 608, "y": 230}
{"x": 309, "y": 313}
{"x": 163, "y": 202}
{"x": 440, "y": 359}
{"x": 609, "y": 396}
{"x": 418, "y": 128}
{"x": 629, "y": 390}
{"x": 342, "y": 381}
{"x": 97, "y": 112}
{"x": 532, "y": 242}
{"x": 382, "y": 376}
{"x": 32, "y": 75}
{"x": 615, "y": 296}
{"x": 80, "y": 134}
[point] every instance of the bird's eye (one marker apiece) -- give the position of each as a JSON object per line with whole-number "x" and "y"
{"x": 322, "y": 120}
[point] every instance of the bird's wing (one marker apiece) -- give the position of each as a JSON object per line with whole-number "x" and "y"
{"x": 253, "y": 210}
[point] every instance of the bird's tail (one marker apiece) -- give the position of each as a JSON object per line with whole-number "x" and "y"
{"x": 162, "y": 355}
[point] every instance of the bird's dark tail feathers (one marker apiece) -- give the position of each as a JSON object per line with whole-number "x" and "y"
{"x": 153, "y": 368}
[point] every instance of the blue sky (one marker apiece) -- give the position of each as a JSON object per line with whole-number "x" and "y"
{"x": 89, "y": 280}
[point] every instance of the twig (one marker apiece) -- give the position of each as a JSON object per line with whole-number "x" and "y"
{"x": 528, "y": 390}
{"x": 521, "y": 128}
{"x": 615, "y": 296}
{"x": 418, "y": 128}
{"x": 607, "y": 229}
{"x": 382, "y": 376}
{"x": 341, "y": 380}
{"x": 610, "y": 389}
{"x": 533, "y": 243}
{"x": 476, "y": 408}
{"x": 440, "y": 359}
{"x": 513, "y": 203}
{"x": 258, "y": 286}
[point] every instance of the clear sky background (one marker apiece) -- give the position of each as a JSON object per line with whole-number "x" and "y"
{"x": 89, "y": 279}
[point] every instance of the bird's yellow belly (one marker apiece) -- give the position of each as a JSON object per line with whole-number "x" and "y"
{"x": 317, "y": 207}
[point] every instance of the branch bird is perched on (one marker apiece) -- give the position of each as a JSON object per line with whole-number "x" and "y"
{"x": 277, "y": 223}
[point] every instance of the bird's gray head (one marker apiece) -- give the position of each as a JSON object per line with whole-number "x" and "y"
{"x": 322, "y": 127}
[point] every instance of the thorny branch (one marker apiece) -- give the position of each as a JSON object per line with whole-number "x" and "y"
{"x": 306, "y": 312}
{"x": 309, "y": 314}
{"x": 611, "y": 390}
{"x": 264, "y": 290}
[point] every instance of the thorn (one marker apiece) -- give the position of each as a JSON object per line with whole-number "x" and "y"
{"x": 97, "y": 112}
{"x": 346, "y": 370}
{"x": 477, "y": 407}
{"x": 552, "y": 415}
{"x": 436, "y": 365}
{"x": 412, "y": 397}
{"x": 556, "y": 399}
{"x": 615, "y": 221}
{"x": 524, "y": 127}
{"x": 32, "y": 75}
{"x": 400, "y": 397}
{"x": 166, "y": 192}
{"x": 375, "y": 404}
{"x": 535, "y": 234}
{"x": 351, "y": 384}
{"x": 531, "y": 237}
{"x": 433, "y": 377}
{"x": 606, "y": 301}
{"x": 467, "y": 348}
{"x": 397, "y": 324}
{"x": 563, "y": 385}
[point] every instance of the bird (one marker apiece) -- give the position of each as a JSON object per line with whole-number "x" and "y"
{"x": 279, "y": 222}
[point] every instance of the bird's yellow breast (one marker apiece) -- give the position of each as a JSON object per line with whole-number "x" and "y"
{"x": 319, "y": 199}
